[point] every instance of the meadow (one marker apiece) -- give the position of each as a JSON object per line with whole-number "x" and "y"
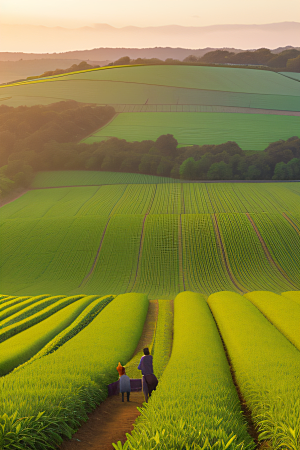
{"x": 249, "y": 131}
{"x": 213, "y": 104}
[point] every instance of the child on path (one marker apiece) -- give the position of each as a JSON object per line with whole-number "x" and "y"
{"x": 124, "y": 383}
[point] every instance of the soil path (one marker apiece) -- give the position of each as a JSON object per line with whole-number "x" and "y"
{"x": 112, "y": 419}
{"x": 107, "y": 424}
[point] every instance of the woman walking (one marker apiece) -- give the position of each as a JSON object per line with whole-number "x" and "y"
{"x": 149, "y": 380}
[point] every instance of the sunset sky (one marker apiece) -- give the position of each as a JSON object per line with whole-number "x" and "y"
{"x": 120, "y": 13}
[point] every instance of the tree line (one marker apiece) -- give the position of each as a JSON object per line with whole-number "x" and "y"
{"x": 40, "y": 138}
{"x": 288, "y": 60}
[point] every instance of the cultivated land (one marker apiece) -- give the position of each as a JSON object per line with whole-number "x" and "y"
{"x": 213, "y": 104}
{"x": 157, "y": 238}
{"x": 78, "y": 246}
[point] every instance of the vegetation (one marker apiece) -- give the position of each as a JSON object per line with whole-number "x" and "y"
{"x": 26, "y": 134}
{"x": 266, "y": 367}
{"x": 203, "y": 237}
{"x": 77, "y": 391}
{"x": 84, "y": 319}
{"x": 23, "y": 346}
{"x": 263, "y": 57}
{"x": 162, "y": 345}
{"x": 283, "y": 312}
{"x": 195, "y": 403}
{"x": 200, "y": 128}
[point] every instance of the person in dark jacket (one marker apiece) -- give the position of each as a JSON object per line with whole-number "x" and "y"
{"x": 149, "y": 380}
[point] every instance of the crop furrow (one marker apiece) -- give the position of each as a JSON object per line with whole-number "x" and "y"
{"x": 268, "y": 254}
{"x": 84, "y": 281}
{"x": 225, "y": 259}
{"x": 291, "y": 222}
{"x": 140, "y": 253}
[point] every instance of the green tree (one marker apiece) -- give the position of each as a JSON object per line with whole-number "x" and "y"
{"x": 220, "y": 171}
{"x": 187, "y": 170}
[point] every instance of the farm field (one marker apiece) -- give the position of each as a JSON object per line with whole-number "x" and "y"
{"x": 198, "y": 105}
{"x": 89, "y": 325}
{"x": 97, "y": 265}
{"x": 201, "y": 128}
{"x": 203, "y": 237}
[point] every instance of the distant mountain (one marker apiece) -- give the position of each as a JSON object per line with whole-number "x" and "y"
{"x": 40, "y": 39}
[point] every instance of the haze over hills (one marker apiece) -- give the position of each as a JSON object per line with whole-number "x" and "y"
{"x": 30, "y": 38}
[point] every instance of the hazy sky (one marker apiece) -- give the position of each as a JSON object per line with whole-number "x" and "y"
{"x": 119, "y": 13}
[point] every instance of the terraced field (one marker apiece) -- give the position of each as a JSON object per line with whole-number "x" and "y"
{"x": 158, "y": 239}
{"x": 212, "y": 104}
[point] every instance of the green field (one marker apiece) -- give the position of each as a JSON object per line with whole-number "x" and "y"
{"x": 212, "y": 104}
{"x": 203, "y": 237}
{"x": 250, "y": 131}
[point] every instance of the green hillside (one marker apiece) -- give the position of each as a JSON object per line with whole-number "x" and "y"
{"x": 214, "y": 103}
{"x": 157, "y": 239}
{"x": 250, "y": 131}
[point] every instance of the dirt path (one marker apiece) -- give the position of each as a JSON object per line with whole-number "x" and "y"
{"x": 107, "y": 424}
{"x": 112, "y": 419}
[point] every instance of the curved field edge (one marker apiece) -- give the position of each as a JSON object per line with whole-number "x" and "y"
{"x": 195, "y": 404}
{"x": 24, "y": 345}
{"x": 83, "y": 320}
{"x": 266, "y": 367}
{"x": 80, "y": 383}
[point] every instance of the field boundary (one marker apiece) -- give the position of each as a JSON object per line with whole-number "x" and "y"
{"x": 225, "y": 259}
{"x": 291, "y": 222}
{"x": 139, "y": 253}
{"x": 268, "y": 254}
{"x": 194, "y": 108}
{"x": 85, "y": 279}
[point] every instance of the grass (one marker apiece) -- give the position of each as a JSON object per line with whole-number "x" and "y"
{"x": 283, "y": 312}
{"x": 162, "y": 85}
{"x": 250, "y": 131}
{"x": 25, "y": 345}
{"x": 75, "y": 240}
{"x": 266, "y": 367}
{"x": 84, "y": 178}
{"x": 293, "y": 295}
{"x": 67, "y": 384}
{"x": 195, "y": 405}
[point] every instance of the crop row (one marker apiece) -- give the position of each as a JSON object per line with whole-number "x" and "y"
{"x": 293, "y": 295}
{"x": 203, "y": 267}
{"x": 248, "y": 261}
{"x": 266, "y": 367}
{"x": 70, "y": 382}
{"x": 54, "y": 256}
{"x": 283, "y": 312}
{"x": 195, "y": 405}
{"x": 158, "y": 271}
{"x": 116, "y": 267}
{"x": 94, "y": 307}
{"x": 163, "y": 339}
{"x": 25, "y": 344}
{"x": 163, "y": 198}
{"x": 282, "y": 242}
